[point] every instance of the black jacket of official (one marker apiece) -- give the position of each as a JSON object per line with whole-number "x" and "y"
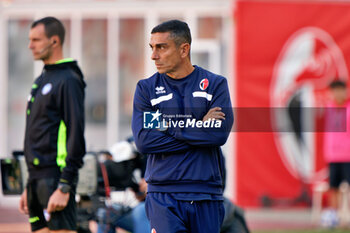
{"x": 54, "y": 139}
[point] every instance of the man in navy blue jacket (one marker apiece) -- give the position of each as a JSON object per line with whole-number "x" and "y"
{"x": 182, "y": 115}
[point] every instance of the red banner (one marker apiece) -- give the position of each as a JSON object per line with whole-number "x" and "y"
{"x": 286, "y": 55}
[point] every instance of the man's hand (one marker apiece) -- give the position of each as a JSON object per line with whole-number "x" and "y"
{"x": 214, "y": 114}
{"x": 143, "y": 185}
{"x": 23, "y": 205}
{"x": 58, "y": 201}
{"x": 141, "y": 195}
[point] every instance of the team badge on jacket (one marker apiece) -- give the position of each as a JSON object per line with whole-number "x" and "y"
{"x": 46, "y": 89}
{"x": 204, "y": 84}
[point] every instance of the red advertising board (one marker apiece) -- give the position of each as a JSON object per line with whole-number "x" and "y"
{"x": 287, "y": 52}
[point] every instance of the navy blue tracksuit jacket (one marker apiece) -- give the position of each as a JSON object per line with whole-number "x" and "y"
{"x": 182, "y": 159}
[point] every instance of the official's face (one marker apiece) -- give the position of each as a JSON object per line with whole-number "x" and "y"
{"x": 165, "y": 53}
{"x": 39, "y": 44}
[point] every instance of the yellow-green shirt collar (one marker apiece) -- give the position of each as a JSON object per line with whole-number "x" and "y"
{"x": 64, "y": 60}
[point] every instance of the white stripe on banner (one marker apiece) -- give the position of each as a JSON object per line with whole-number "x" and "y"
{"x": 161, "y": 99}
{"x": 202, "y": 94}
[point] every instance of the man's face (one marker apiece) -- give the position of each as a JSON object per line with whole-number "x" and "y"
{"x": 165, "y": 53}
{"x": 40, "y": 45}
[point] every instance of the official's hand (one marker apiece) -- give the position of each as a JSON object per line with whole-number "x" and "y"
{"x": 23, "y": 205}
{"x": 214, "y": 114}
{"x": 58, "y": 201}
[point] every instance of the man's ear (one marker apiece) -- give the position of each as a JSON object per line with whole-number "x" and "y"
{"x": 55, "y": 40}
{"x": 185, "y": 50}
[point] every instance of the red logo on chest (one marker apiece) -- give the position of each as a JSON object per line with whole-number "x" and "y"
{"x": 204, "y": 84}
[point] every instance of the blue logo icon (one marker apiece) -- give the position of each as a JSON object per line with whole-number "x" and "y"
{"x": 152, "y": 120}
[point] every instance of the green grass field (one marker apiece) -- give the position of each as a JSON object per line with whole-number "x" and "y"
{"x": 306, "y": 231}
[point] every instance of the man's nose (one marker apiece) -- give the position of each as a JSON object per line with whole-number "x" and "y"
{"x": 154, "y": 55}
{"x": 30, "y": 45}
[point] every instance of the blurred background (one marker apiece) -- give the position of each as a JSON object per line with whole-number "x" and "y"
{"x": 275, "y": 54}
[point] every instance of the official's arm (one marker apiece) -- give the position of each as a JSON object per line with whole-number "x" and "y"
{"x": 73, "y": 118}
